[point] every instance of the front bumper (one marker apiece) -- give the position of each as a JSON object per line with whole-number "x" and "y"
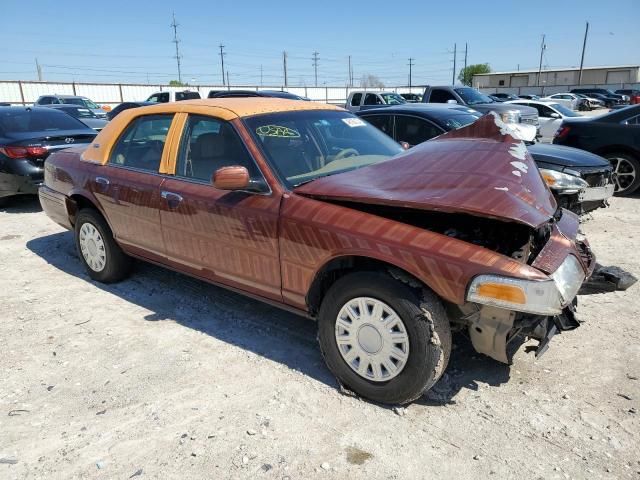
{"x": 594, "y": 194}
{"x": 499, "y": 330}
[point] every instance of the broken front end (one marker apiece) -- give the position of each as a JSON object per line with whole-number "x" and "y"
{"x": 502, "y": 312}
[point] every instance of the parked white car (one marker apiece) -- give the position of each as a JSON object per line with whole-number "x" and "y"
{"x": 550, "y": 116}
{"x": 569, "y": 100}
{"x": 364, "y": 100}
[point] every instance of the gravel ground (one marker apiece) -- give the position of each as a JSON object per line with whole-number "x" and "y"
{"x": 162, "y": 376}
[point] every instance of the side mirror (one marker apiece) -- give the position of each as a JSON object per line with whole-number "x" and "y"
{"x": 555, "y": 115}
{"x": 452, "y": 101}
{"x": 231, "y": 178}
{"x": 405, "y": 145}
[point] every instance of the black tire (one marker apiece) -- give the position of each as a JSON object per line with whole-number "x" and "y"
{"x": 624, "y": 188}
{"x": 117, "y": 264}
{"x": 426, "y": 325}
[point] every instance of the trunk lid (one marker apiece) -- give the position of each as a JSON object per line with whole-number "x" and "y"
{"x": 478, "y": 170}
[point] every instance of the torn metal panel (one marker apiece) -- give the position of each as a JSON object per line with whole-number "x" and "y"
{"x": 470, "y": 170}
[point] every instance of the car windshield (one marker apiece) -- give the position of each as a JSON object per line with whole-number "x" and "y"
{"x": 306, "y": 145}
{"x": 16, "y": 121}
{"x": 90, "y": 104}
{"x": 393, "y": 98}
{"x": 566, "y": 112}
{"x": 473, "y": 97}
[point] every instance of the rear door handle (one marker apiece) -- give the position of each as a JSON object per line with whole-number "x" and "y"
{"x": 173, "y": 199}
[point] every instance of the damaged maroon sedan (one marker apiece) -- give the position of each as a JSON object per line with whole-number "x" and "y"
{"x": 307, "y": 207}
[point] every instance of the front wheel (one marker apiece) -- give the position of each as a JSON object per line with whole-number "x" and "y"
{"x": 382, "y": 339}
{"x": 626, "y": 171}
{"x": 103, "y": 259}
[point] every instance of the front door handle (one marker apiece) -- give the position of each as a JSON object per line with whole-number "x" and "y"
{"x": 173, "y": 199}
{"x": 102, "y": 183}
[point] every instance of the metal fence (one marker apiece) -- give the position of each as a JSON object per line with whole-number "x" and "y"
{"x": 27, "y": 92}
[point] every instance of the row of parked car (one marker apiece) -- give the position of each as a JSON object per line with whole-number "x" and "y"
{"x": 392, "y": 227}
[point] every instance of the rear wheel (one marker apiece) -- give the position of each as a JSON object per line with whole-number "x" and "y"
{"x": 103, "y": 259}
{"x": 382, "y": 339}
{"x": 626, "y": 170}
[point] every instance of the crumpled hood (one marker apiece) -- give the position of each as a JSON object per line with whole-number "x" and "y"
{"x": 478, "y": 170}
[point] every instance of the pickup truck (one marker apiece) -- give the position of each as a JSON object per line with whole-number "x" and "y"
{"x": 171, "y": 96}
{"x": 471, "y": 97}
{"x": 363, "y": 100}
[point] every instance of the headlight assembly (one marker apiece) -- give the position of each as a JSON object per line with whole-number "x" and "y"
{"x": 510, "y": 116}
{"x": 547, "y": 297}
{"x": 563, "y": 182}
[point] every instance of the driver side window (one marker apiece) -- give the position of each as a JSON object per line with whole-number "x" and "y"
{"x": 209, "y": 144}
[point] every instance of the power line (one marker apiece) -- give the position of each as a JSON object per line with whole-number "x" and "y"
{"x": 176, "y": 41}
{"x": 315, "y": 66}
{"x": 222, "y": 54}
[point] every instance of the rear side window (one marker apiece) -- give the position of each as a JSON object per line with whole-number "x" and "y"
{"x": 209, "y": 144}
{"x": 372, "y": 99}
{"x": 414, "y": 130}
{"x": 187, "y": 96}
{"x": 45, "y": 101}
{"x": 381, "y": 122}
{"x": 356, "y": 99}
{"x": 440, "y": 96}
{"x": 159, "y": 97}
{"x": 142, "y": 143}
{"x": 36, "y": 120}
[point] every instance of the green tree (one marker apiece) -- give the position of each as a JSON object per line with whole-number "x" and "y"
{"x": 176, "y": 83}
{"x": 466, "y": 74}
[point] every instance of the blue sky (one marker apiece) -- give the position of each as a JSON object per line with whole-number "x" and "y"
{"x": 120, "y": 41}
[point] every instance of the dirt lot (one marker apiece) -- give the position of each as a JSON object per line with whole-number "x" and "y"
{"x": 162, "y": 376}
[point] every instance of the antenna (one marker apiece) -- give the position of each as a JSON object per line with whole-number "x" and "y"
{"x": 176, "y": 41}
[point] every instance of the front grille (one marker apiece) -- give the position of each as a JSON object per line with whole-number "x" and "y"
{"x": 598, "y": 178}
{"x": 529, "y": 119}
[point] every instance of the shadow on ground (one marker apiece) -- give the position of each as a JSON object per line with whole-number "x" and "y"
{"x": 249, "y": 324}
{"x": 20, "y": 204}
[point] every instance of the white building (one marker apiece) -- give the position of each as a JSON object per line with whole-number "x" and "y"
{"x": 615, "y": 77}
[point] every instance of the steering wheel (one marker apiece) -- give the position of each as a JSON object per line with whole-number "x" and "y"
{"x": 346, "y": 152}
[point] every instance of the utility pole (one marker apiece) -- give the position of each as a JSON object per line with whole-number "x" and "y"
{"x": 222, "y": 54}
{"x": 455, "y": 52}
{"x": 176, "y": 41}
{"x": 315, "y": 66}
{"x": 350, "y": 83}
{"x": 228, "y": 84}
{"x": 542, "y": 47}
{"x": 411, "y": 64}
{"x": 466, "y": 48}
{"x": 261, "y": 75}
{"x": 39, "y": 70}
{"x": 584, "y": 46}
{"x": 284, "y": 67}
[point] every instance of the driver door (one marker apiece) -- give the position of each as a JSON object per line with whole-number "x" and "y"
{"x": 223, "y": 236}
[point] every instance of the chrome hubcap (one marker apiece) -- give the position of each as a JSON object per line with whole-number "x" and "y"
{"x": 624, "y": 173}
{"x": 92, "y": 247}
{"x": 372, "y": 339}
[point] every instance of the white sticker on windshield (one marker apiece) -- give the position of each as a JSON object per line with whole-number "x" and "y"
{"x": 354, "y": 122}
